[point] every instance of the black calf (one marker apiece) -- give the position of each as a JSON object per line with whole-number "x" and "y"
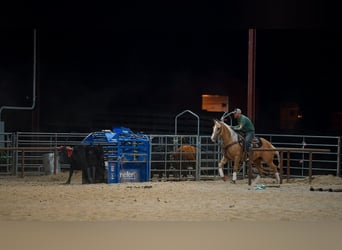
{"x": 88, "y": 158}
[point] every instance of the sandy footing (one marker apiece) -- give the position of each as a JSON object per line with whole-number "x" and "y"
{"x": 175, "y": 214}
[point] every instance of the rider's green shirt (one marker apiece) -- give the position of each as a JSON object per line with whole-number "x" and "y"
{"x": 244, "y": 124}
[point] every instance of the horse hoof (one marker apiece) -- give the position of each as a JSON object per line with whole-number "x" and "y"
{"x": 224, "y": 178}
{"x": 233, "y": 182}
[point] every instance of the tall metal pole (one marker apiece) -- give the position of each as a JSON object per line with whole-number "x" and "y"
{"x": 251, "y": 74}
{"x": 36, "y": 110}
{"x": 32, "y": 107}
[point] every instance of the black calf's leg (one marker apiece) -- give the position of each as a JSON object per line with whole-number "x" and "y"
{"x": 70, "y": 174}
{"x": 91, "y": 174}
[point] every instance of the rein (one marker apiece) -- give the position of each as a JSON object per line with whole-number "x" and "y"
{"x": 229, "y": 145}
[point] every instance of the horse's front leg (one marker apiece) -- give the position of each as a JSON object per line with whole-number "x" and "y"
{"x": 235, "y": 169}
{"x": 220, "y": 167}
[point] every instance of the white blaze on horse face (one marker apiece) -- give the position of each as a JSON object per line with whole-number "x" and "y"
{"x": 215, "y": 132}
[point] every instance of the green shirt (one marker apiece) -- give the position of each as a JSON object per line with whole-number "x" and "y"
{"x": 244, "y": 124}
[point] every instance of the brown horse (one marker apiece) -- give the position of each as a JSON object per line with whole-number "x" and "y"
{"x": 185, "y": 152}
{"x": 184, "y": 157}
{"x": 232, "y": 149}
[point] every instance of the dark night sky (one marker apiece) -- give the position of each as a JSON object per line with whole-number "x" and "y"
{"x": 96, "y": 61}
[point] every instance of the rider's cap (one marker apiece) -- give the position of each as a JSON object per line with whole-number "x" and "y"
{"x": 237, "y": 111}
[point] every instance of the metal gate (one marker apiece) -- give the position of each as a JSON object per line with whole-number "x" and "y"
{"x": 166, "y": 163}
{"x": 169, "y": 164}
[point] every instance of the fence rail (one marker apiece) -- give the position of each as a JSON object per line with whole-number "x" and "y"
{"x": 299, "y": 162}
{"x": 23, "y": 151}
{"x": 288, "y": 151}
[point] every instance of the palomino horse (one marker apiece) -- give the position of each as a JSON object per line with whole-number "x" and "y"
{"x": 232, "y": 149}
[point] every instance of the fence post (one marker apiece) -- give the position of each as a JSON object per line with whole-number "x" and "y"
{"x": 250, "y": 166}
{"x": 22, "y": 163}
{"x": 310, "y": 167}
{"x": 281, "y": 157}
{"x": 55, "y": 161}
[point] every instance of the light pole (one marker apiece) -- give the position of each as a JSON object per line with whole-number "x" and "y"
{"x": 251, "y": 74}
{"x": 2, "y": 123}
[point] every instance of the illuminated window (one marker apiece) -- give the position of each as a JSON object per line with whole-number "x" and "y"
{"x": 215, "y": 103}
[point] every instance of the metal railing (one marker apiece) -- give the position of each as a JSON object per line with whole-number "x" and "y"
{"x": 322, "y": 162}
{"x": 162, "y": 147}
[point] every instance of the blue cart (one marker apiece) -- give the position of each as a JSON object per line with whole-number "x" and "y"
{"x": 127, "y": 154}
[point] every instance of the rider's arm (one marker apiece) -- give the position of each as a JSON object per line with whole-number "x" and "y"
{"x": 238, "y": 127}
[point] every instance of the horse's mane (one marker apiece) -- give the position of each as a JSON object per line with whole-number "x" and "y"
{"x": 234, "y": 136}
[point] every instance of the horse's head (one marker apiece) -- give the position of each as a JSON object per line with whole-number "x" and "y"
{"x": 223, "y": 130}
{"x": 217, "y": 130}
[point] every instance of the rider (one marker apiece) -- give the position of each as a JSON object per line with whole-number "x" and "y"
{"x": 246, "y": 127}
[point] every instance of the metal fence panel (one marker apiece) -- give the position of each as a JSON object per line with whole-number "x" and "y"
{"x": 7, "y": 157}
{"x": 34, "y": 164}
{"x": 164, "y": 165}
{"x": 322, "y": 163}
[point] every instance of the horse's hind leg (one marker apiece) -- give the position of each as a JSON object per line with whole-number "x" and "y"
{"x": 260, "y": 171}
{"x": 276, "y": 174}
{"x": 275, "y": 171}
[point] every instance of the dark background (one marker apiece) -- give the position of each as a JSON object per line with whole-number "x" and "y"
{"x": 140, "y": 65}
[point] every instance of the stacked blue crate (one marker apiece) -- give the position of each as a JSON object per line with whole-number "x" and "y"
{"x": 127, "y": 154}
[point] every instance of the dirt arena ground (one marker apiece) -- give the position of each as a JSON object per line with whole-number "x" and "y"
{"x": 195, "y": 214}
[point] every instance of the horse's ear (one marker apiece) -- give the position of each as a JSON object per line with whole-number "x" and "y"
{"x": 216, "y": 121}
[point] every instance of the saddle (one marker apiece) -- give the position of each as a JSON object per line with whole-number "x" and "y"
{"x": 256, "y": 143}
